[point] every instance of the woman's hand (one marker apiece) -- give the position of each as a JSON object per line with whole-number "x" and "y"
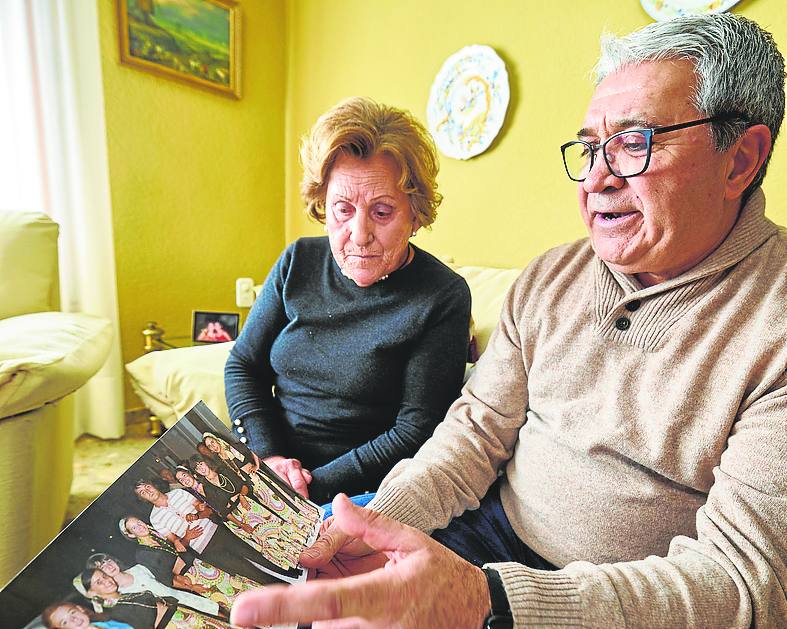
{"x": 291, "y": 472}
{"x": 244, "y": 502}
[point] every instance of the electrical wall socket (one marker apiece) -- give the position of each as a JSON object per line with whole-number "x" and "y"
{"x": 244, "y": 292}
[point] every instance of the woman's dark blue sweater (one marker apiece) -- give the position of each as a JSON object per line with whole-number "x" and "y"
{"x": 348, "y": 380}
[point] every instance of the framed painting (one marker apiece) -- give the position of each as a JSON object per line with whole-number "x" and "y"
{"x": 194, "y": 41}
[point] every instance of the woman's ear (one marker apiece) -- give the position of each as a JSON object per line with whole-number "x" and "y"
{"x": 748, "y": 155}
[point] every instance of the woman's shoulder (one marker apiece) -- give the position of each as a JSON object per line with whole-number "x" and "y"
{"x": 310, "y": 246}
{"x": 426, "y": 262}
{"x": 430, "y": 270}
{"x": 307, "y": 252}
{"x": 436, "y": 281}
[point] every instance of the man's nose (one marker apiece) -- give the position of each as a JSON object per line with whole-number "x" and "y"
{"x": 361, "y": 230}
{"x": 600, "y": 177}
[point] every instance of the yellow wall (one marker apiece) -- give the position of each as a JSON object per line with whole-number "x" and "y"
{"x": 514, "y": 201}
{"x": 197, "y": 180}
{"x": 201, "y": 194}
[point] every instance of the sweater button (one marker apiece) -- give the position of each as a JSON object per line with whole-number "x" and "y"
{"x": 634, "y": 305}
{"x": 622, "y": 324}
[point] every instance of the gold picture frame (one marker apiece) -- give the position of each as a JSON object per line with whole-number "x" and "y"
{"x": 192, "y": 41}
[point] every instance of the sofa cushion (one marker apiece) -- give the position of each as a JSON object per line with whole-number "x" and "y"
{"x": 28, "y": 256}
{"x": 47, "y": 355}
{"x": 488, "y": 287}
{"x": 170, "y": 382}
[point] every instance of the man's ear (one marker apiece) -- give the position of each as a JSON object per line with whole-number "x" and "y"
{"x": 748, "y": 155}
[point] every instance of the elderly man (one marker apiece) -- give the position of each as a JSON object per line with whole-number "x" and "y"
{"x": 634, "y": 394}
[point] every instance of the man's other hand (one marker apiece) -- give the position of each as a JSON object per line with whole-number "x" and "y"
{"x": 422, "y": 584}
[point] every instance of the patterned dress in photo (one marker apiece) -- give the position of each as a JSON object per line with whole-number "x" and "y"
{"x": 223, "y": 587}
{"x": 262, "y": 483}
{"x": 276, "y": 547}
{"x": 297, "y": 524}
{"x": 185, "y": 618}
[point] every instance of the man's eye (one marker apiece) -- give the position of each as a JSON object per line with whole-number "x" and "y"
{"x": 634, "y": 143}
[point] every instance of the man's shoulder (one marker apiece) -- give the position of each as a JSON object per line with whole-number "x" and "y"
{"x": 568, "y": 251}
{"x": 564, "y": 263}
{"x": 560, "y": 274}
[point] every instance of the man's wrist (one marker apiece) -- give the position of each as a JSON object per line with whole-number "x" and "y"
{"x": 500, "y": 616}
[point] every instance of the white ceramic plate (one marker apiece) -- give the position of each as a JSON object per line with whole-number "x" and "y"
{"x": 468, "y": 102}
{"x": 667, "y": 9}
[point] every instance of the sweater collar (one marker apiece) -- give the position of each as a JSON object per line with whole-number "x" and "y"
{"x": 749, "y": 232}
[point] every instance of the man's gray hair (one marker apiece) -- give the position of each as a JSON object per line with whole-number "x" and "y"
{"x": 738, "y": 66}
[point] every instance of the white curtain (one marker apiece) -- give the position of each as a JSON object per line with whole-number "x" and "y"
{"x": 54, "y": 56}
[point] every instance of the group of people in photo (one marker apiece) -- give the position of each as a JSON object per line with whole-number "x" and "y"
{"x": 219, "y": 524}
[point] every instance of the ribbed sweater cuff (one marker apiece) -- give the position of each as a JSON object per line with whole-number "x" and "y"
{"x": 400, "y": 506}
{"x": 540, "y": 598}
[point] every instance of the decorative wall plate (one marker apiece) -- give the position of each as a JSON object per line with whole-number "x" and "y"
{"x": 468, "y": 102}
{"x": 667, "y": 9}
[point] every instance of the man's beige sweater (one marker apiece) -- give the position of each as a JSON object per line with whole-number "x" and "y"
{"x": 648, "y": 459}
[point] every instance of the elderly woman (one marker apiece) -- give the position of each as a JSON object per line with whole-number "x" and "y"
{"x": 357, "y": 344}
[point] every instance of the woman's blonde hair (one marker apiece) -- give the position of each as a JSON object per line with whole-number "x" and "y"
{"x": 363, "y": 128}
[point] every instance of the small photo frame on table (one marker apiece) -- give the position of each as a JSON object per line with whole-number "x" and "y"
{"x": 214, "y": 327}
{"x": 193, "y": 41}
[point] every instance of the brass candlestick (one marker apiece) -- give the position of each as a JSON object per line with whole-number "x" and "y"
{"x": 152, "y": 335}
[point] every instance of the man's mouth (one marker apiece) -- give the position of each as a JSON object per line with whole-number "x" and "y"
{"x": 613, "y": 216}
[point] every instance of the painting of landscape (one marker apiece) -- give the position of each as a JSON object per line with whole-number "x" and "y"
{"x": 192, "y": 40}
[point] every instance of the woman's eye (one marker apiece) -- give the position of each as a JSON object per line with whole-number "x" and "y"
{"x": 382, "y": 211}
{"x": 342, "y": 209}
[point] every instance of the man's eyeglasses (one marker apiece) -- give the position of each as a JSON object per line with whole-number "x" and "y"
{"x": 627, "y": 153}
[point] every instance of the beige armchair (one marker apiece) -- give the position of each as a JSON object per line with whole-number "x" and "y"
{"x": 44, "y": 356}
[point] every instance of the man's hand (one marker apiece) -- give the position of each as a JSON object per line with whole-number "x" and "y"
{"x": 292, "y": 472}
{"x": 193, "y": 532}
{"x": 336, "y": 554}
{"x": 423, "y": 584}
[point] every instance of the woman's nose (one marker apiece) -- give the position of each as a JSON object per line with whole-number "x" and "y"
{"x": 362, "y": 232}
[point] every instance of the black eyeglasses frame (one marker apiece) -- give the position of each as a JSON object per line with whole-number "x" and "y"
{"x": 648, "y": 133}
